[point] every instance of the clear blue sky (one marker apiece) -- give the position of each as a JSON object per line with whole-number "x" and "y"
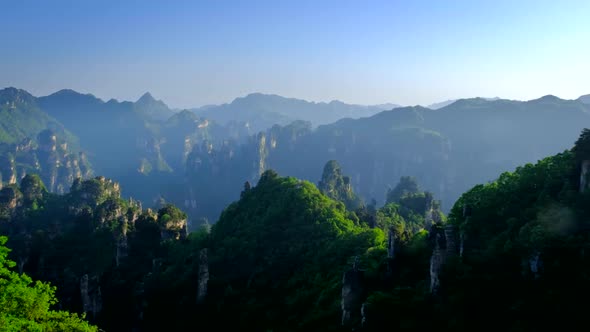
{"x": 191, "y": 53}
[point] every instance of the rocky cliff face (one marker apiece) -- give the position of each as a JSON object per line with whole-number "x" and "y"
{"x": 584, "y": 175}
{"x": 295, "y": 150}
{"x": 220, "y": 167}
{"x": 172, "y": 222}
{"x": 49, "y": 157}
{"x": 90, "y": 295}
{"x": 436, "y": 263}
{"x": 105, "y": 236}
{"x": 10, "y": 200}
{"x": 445, "y": 247}
{"x": 152, "y": 158}
{"x": 353, "y": 295}
{"x": 338, "y": 186}
{"x": 203, "y": 277}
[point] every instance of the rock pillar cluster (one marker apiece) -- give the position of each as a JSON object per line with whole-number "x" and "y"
{"x": 353, "y": 295}
{"x": 203, "y": 277}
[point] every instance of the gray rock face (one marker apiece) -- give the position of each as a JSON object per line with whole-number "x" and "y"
{"x": 8, "y": 169}
{"x": 445, "y": 247}
{"x": 451, "y": 248}
{"x": 175, "y": 229}
{"x": 203, "y": 278}
{"x": 584, "y": 175}
{"x": 390, "y": 253}
{"x": 91, "y": 295}
{"x": 436, "y": 263}
{"x": 535, "y": 264}
{"x": 353, "y": 293}
{"x": 56, "y": 164}
{"x": 391, "y": 244}
{"x": 122, "y": 249}
{"x": 47, "y": 141}
{"x": 22, "y": 260}
{"x": 363, "y": 315}
{"x": 10, "y": 199}
{"x": 461, "y": 244}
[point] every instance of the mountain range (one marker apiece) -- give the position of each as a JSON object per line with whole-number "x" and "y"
{"x": 261, "y": 111}
{"x": 585, "y": 99}
{"x": 290, "y": 256}
{"x": 448, "y": 150}
{"x": 369, "y": 247}
{"x": 200, "y": 158}
{"x": 442, "y": 104}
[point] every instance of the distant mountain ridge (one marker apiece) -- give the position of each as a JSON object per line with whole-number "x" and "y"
{"x": 262, "y": 111}
{"x": 448, "y": 150}
{"x": 442, "y": 104}
{"x": 142, "y": 144}
{"x": 32, "y": 141}
{"x": 153, "y": 108}
{"x": 219, "y": 147}
{"x": 585, "y": 99}
{"x": 21, "y": 118}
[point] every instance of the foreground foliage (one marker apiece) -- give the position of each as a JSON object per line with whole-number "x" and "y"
{"x": 25, "y": 305}
{"x": 512, "y": 253}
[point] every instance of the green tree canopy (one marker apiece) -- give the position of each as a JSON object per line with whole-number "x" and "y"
{"x": 581, "y": 149}
{"x": 407, "y": 185}
{"x": 26, "y": 305}
{"x": 338, "y": 186}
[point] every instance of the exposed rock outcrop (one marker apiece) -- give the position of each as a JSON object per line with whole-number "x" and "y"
{"x": 436, "y": 263}
{"x": 353, "y": 296}
{"x": 585, "y": 175}
{"x": 390, "y": 253}
{"x": 203, "y": 278}
{"x": 8, "y": 169}
{"x": 532, "y": 265}
{"x": 95, "y": 192}
{"x": 338, "y": 186}
{"x": 451, "y": 248}
{"x": 10, "y": 199}
{"x": 122, "y": 249}
{"x": 91, "y": 295}
{"x": 444, "y": 247}
{"x": 173, "y": 222}
{"x": 391, "y": 244}
{"x": 48, "y": 157}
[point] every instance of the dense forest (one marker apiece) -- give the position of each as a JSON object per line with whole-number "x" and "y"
{"x": 25, "y": 306}
{"x": 279, "y": 251}
{"x": 294, "y": 166}
{"x": 292, "y": 256}
{"x": 408, "y": 219}
{"x": 198, "y": 159}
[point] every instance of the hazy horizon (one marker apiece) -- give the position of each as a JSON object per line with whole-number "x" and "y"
{"x": 442, "y": 101}
{"x": 368, "y": 53}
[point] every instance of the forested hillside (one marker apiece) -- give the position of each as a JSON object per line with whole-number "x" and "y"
{"x": 96, "y": 247}
{"x": 160, "y": 155}
{"x": 282, "y": 242}
{"x": 448, "y": 150}
{"x": 29, "y": 306}
{"x": 31, "y": 141}
{"x": 269, "y": 181}
{"x": 288, "y": 256}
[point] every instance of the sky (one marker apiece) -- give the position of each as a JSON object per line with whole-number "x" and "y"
{"x": 193, "y": 53}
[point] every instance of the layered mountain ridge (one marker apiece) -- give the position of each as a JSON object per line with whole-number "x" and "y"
{"x": 448, "y": 150}
{"x": 201, "y": 164}
{"x": 262, "y": 111}
{"x": 368, "y": 245}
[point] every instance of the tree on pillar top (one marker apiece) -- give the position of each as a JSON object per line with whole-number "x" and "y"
{"x": 581, "y": 152}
